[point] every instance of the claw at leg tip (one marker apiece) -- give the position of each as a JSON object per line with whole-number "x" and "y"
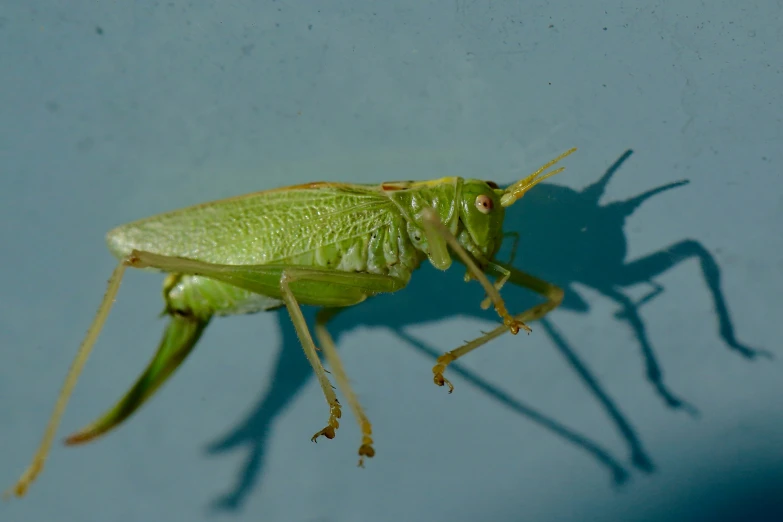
{"x": 17, "y": 490}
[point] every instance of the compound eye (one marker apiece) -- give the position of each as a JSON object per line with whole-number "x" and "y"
{"x": 484, "y": 203}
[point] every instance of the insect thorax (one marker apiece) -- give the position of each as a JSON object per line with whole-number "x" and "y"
{"x": 443, "y": 196}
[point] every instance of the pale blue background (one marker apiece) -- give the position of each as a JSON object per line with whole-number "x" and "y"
{"x": 177, "y": 103}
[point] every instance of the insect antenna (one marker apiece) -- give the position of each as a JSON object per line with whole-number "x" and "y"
{"x": 518, "y": 189}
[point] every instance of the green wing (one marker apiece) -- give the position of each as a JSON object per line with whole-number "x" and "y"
{"x": 259, "y": 228}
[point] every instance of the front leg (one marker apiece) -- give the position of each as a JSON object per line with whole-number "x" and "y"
{"x": 438, "y": 237}
{"x": 553, "y": 294}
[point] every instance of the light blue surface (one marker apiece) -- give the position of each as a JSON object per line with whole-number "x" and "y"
{"x": 184, "y": 102}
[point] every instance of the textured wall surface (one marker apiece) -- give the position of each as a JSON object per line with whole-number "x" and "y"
{"x": 615, "y": 408}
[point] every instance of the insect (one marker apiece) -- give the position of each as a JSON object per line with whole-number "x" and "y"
{"x": 330, "y": 245}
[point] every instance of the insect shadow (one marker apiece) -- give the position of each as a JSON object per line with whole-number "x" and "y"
{"x": 575, "y": 240}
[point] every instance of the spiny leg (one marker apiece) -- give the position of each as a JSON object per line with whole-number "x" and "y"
{"x": 511, "y": 257}
{"x": 434, "y": 228}
{"x": 499, "y": 283}
{"x": 502, "y": 281}
{"x": 292, "y": 284}
{"x": 552, "y": 293}
{"x": 327, "y": 343}
{"x": 37, "y": 464}
{"x": 300, "y": 325}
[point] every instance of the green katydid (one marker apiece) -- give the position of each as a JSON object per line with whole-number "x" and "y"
{"x": 330, "y": 245}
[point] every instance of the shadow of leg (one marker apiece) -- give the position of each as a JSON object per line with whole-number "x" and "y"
{"x": 654, "y": 373}
{"x": 655, "y": 264}
{"x": 291, "y": 373}
{"x": 639, "y": 456}
{"x": 619, "y": 473}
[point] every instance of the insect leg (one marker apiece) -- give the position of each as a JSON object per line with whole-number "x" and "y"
{"x": 37, "y": 463}
{"x": 300, "y": 325}
{"x": 553, "y": 294}
{"x": 514, "y": 246}
{"x": 328, "y": 288}
{"x": 327, "y": 344}
{"x": 436, "y": 233}
{"x": 502, "y": 281}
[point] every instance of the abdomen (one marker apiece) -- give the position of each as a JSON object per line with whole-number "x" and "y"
{"x": 204, "y": 297}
